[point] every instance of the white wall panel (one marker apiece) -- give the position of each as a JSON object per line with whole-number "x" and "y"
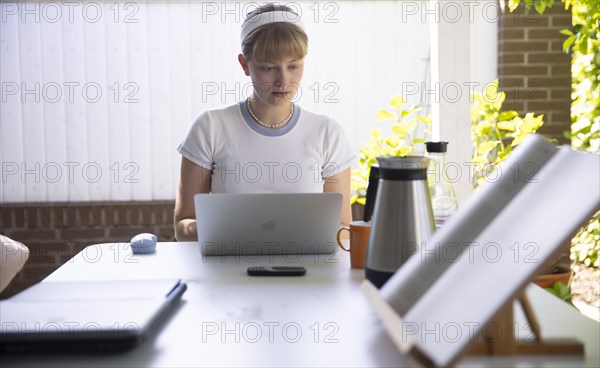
{"x": 97, "y": 99}
{"x": 55, "y": 174}
{"x": 32, "y": 95}
{"x": 11, "y": 126}
{"x": 162, "y": 97}
{"x": 122, "y": 172}
{"x": 181, "y": 101}
{"x": 159, "y": 65}
{"x": 76, "y": 124}
{"x": 140, "y": 141}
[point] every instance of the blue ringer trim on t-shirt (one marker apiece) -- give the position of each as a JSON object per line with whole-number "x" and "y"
{"x": 266, "y": 131}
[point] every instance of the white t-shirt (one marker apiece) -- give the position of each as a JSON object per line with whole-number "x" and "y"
{"x": 247, "y": 158}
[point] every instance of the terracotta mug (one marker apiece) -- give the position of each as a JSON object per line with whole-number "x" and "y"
{"x": 359, "y": 240}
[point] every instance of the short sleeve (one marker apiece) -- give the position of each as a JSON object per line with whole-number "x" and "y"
{"x": 197, "y": 146}
{"x": 338, "y": 152}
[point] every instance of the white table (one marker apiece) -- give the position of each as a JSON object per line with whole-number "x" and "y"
{"x": 227, "y": 318}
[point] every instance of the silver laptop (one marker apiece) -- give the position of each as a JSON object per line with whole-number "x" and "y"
{"x": 84, "y": 316}
{"x": 268, "y": 223}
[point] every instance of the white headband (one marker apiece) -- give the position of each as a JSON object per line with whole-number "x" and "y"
{"x": 276, "y": 16}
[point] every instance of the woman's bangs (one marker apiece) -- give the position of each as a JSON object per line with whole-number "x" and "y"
{"x": 279, "y": 42}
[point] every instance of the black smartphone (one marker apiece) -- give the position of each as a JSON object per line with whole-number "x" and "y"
{"x": 277, "y": 271}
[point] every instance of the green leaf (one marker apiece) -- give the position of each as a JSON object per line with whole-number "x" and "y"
{"x": 568, "y": 43}
{"x": 418, "y": 140}
{"x": 375, "y": 133}
{"x": 392, "y": 141}
{"x": 404, "y": 127}
{"x": 530, "y": 124}
{"x": 400, "y": 129}
{"x": 479, "y": 160}
{"x": 566, "y": 32}
{"x": 506, "y": 125}
{"x": 540, "y": 6}
{"x": 424, "y": 120}
{"x": 581, "y": 126}
{"x": 485, "y": 147}
{"x": 491, "y": 90}
{"x": 583, "y": 45}
{"x": 397, "y": 101}
{"x": 518, "y": 139}
{"x": 505, "y": 152}
{"x": 483, "y": 128}
{"x": 561, "y": 291}
{"x": 361, "y": 200}
{"x": 406, "y": 113}
{"x": 513, "y": 5}
{"x": 507, "y": 115}
{"x": 384, "y": 115}
{"x": 404, "y": 151}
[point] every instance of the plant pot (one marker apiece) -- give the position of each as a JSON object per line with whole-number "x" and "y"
{"x": 562, "y": 274}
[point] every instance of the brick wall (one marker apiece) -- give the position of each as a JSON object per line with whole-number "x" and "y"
{"x": 533, "y": 70}
{"x": 55, "y": 232}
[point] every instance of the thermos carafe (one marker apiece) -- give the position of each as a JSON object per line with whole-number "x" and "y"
{"x": 403, "y": 217}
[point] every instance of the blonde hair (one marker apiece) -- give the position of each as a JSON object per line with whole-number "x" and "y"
{"x": 274, "y": 41}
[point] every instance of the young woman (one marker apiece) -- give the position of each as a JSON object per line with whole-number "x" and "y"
{"x": 266, "y": 143}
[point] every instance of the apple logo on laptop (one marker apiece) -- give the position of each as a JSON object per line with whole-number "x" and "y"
{"x": 269, "y": 226}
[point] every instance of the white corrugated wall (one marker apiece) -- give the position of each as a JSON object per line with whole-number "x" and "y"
{"x": 96, "y": 96}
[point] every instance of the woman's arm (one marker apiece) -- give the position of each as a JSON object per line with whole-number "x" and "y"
{"x": 193, "y": 179}
{"x": 340, "y": 183}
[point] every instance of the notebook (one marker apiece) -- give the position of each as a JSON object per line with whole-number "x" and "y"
{"x": 268, "y": 223}
{"x": 85, "y": 315}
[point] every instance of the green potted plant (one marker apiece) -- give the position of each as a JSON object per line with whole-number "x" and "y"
{"x": 561, "y": 291}
{"x": 405, "y": 134}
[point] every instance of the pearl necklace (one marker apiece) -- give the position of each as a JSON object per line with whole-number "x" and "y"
{"x": 285, "y": 121}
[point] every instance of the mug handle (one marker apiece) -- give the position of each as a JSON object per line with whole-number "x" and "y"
{"x": 339, "y": 232}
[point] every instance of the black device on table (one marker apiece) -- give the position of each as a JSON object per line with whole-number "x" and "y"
{"x": 276, "y": 271}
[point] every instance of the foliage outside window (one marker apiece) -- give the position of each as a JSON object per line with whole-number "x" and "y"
{"x": 585, "y": 109}
{"x": 582, "y": 42}
{"x": 494, "y": 134}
